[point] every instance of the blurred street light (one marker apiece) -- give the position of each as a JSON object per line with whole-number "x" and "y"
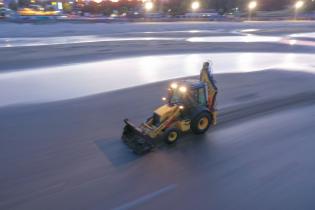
{"x": 251, "y": 6}
{"x": 298, "y": 5}
{"x": 148, "y": 6}
{"x": 195, "y": 5}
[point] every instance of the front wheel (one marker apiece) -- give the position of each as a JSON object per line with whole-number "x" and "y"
{"x": 201, "y": 123}
{"x": 171, "y": 135}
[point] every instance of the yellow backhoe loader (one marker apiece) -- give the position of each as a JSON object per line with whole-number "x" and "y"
{"x": 190, "y": 106}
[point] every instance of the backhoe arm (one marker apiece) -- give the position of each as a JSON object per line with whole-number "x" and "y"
{"x": 207, "y": 77}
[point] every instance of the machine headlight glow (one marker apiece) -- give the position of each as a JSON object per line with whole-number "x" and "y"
{"x": 183, "y": 89}
{"x": 174, "y": 85}
{"x": 181, "y": 107}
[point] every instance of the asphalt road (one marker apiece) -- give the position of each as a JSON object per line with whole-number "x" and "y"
{"x": 68, "y": 155}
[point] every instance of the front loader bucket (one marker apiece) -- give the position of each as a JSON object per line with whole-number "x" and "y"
{"x": 134, "y": 138}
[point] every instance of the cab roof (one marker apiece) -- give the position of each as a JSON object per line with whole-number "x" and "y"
{"x": 192, "y": 83}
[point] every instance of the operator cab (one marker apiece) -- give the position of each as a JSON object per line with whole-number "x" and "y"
{"x": 188, "y": 93}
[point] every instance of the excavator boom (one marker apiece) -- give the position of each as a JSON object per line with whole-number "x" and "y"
{"x": 207, "y": 77}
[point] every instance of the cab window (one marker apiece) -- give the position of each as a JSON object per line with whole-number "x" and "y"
{"x": 201, "y": 97}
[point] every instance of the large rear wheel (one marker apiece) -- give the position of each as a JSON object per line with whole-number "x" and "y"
{"x": 201, "y": 123}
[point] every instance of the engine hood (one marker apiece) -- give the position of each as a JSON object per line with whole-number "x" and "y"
{"x": 164, "y": 111}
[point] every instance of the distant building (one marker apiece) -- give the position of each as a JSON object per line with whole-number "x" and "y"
{"x": 6, "y": 2}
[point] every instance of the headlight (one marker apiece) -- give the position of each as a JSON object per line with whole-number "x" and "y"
{"x": 174, "y": 85}
{"x": 183, "y": 89}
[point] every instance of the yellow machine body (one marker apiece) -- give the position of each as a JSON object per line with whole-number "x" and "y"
{"x": 166, "y": 115}
{"x": 187, "y": 100}
{"x": 165, "y": 111}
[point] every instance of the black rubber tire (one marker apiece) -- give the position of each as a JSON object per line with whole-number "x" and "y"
{"x": 195, "y": 123}
{"x": 167, "y": 135}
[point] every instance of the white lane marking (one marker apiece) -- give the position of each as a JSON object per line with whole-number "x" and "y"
{"x": 44, "y": 41}
{"x": 229, "y": 39}
{"x": 146, "y": 198}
